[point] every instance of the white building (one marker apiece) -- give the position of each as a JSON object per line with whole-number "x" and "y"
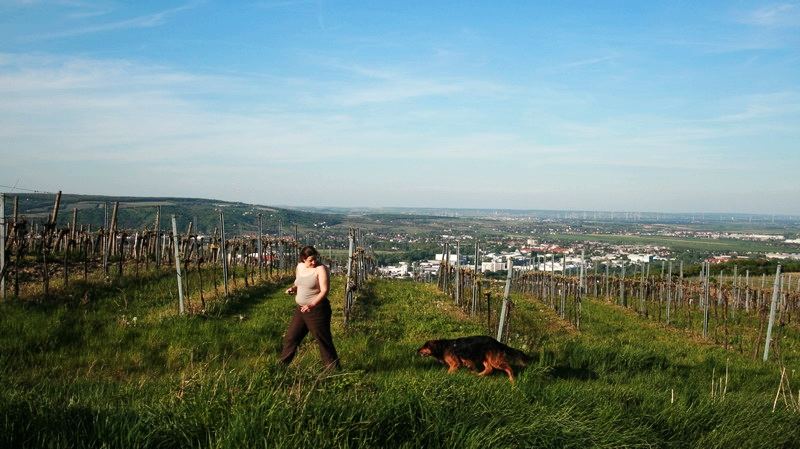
{"x": 400, "y": 270}
{"x": 494, "y": 265}
{"x": 641, "y": 258}
{"x": 548, "y": 267}
{"x": 452, "y": 258}
{"x": 428, "y": 267}
{"x": 783, "y": 256}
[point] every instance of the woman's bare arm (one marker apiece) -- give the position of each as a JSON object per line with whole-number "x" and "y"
{"x": 293, "y": 289}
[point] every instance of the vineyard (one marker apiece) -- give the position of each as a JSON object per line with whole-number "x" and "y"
{"x": 738, "y": 312}
{"x": 42, "y": 260}
{"x": 152, "y": 337}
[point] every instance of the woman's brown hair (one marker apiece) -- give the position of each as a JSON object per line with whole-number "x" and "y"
{"x": 307, "y": 252}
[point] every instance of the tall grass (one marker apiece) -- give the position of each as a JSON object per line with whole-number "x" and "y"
{"x": 81, "y": 375}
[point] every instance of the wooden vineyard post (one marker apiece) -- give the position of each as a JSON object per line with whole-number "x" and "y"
{"x": 446, "y": 279}
{"x": 563, "y": 297}
{"x": 641, "y": 292}
{"x": 582, "y": 282}
{"x": 260, "y": 249}
{"x": 105, "y": 238}
{"x": 735, "y": 291}
{"x": 458, "y": 274}
{"x": 280, "y": 248}
{"x": 669, "y": 290}
{"x": 54, "y": 214}
{"x": 224, "y": 249}
{"x": 18, "y": 252}
{"x": 198, "y": 259}
{"x": 680, "y": 289}
{"x": 177, "y": 264}
{"x": 73, "y": 232}
{"x": 2, "y": 247}
{"x": 121, "y": 256}
{"x": 348, "y": 285}
{"x": 747, "y": 291}
{"x": 501, "y": 326}
{"x": 157, "y": 237}
{"x": 706, "y": 287}
{"x": 112, "y": 240}
{"x": 776, "y": 288}
{"x": 622, "y": 287}
{"x": 551, "y": 291}
{"x": 474, "y": 306}
{"x": 578, "y": 308}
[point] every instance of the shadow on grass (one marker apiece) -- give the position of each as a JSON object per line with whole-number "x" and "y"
{"x": 242, "y": 301}
{"x": 92, "y": 294}
{"x": 365, "y": 305}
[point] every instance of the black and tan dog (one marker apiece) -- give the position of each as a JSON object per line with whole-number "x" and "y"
{"x": 473, "y": 352}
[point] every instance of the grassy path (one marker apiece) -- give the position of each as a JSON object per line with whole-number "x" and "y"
{"x": 82, "y": 376}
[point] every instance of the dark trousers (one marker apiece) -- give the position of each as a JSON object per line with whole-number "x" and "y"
{"x": 318, "y": 322}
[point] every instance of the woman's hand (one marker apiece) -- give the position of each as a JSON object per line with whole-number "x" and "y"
{"x": 291, "y": 290}
{"x": 307, "y": 308}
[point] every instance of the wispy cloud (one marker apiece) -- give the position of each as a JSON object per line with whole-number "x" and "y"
{"x": 145, "y": 21}
{"x": 374, "y": 85}
{"x": 773, "y": 16}
{"x": 752, "y": 108}
{"x": 727, "y": 45}
{"x": 79, "y": 109}
{"x": 282, "y": 3}
{"x": 587, "y": 62}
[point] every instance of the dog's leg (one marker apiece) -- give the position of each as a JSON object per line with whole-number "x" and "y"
{"x": 487, "y": 369}
{"x": 469, "y": 364}
{"x": 452, "y": 364}
{"x": 507, "y": 368}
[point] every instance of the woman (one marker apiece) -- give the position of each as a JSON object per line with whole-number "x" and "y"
{"x": 313, "y": 311}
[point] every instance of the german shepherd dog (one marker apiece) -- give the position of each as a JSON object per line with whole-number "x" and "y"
{"x": 478, "y": 350}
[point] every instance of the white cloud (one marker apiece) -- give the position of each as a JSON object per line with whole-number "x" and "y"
{"x": 145, "y": 21}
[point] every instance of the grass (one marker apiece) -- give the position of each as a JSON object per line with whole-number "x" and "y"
{"x": 87, "y": 375}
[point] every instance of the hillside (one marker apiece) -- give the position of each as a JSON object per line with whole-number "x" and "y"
{"x": 122, "y": 370}
{"x": 137, "y": 212}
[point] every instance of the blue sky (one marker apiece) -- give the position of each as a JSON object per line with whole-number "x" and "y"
{"x": 647, "y": 106}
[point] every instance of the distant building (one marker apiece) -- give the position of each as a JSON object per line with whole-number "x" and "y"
{"x": 400, "y": 270}
{"x": 548, "y": 267}
{"x": 452, "y": 258}
{"x": 719, "y": 259}
{"x": 428, "y": 267}
{"x": 783, "y": 256}
{"x": 641, "y": 258}
{"x": 495, "y": 265}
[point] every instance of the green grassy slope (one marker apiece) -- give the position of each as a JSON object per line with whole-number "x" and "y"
{"x": 84, "y": 376}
